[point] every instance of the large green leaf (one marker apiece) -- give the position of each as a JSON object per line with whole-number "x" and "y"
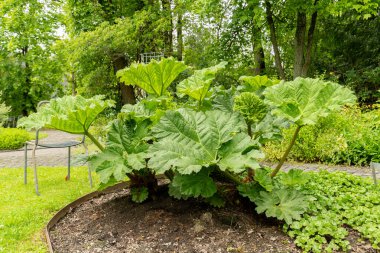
{"x": 195, "y": 184}
{"x": 69, "y": 114}
{"x": 255, "y": 83}
{"x": 149, "y": 108}
{"x": 283, "y": 204}
{"x": 234, "y": 154}
{"x": 304, "y": 100}
{"x": 125, "y": 150}
{"x": 189, "y": 140}
{"x": 154, "y": 77}
{"x": 197, "y": 86}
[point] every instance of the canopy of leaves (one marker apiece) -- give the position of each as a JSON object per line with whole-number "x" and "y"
{"x": 189, "y": 140}
{"x": 125, "y": 150}
{"x": 154, "y": 77}
{"x": 197, "y": 86}
{"x": 29, "y": 71}
{"x": 304, "y": 100}
{"x": 69, "y": 114}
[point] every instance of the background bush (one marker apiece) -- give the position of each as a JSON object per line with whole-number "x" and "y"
{"x": 4, "y": 110}
{"x": 349, "y": 137}
{"x": 13, "y": 138}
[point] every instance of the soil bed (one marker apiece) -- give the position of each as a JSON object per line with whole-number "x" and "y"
{"x": 113, "y": 223}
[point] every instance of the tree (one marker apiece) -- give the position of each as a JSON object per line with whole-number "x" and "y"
{"x": 118, "y": 32}
{"x": 29, "y": 70}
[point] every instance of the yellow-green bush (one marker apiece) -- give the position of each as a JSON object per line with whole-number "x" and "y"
{"x": 348, "y": 137}
{"x": 13, "y": 138}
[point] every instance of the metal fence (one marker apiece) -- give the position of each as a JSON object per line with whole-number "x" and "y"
{"x": 147, "y": 57}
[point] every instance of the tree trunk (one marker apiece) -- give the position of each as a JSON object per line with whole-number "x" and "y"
{"x": 273, "y": 38}
{"x": 258, "y": 52}
{"x": 168, "y": 34}
{"x": 127, "y": 94}
{"x": 310, "y": 36}
{"x": 73, "y": 84}
{"x": 28, "y": 84}
{"x": 179, "y": 37}
{"x": 299, "y": 44}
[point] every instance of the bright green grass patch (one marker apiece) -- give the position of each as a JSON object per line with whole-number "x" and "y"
{"x": 23, "y": 214}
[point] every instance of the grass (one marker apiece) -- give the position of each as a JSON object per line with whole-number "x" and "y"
{"x": 23, "y": 214}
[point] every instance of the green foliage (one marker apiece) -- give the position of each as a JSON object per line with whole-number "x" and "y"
{"x": 154, "y": 77}
{"x": 281, "y": 197}
{"x": 251, "y": 107}
{"x": 282, "y": 204}
{"x": 294, "y": 178}
{"x": 195, "y": 185}
{"x": 30, "y": 72}
{"x": 125, "y": 151}
{"x": 4, "y": 110}
{"x": 13, "y": 138}
{"x": 197, "y": 86}
{"x": 262, "y": 177}
{"x": 189, "y": 140}
{"x": 304, "y": 100}
{"x": 341, "y": 200}
{"x": 70, "y": 114}
{"x": 140, "y": 194}
{"x": 348, "y": 137}
{"x": 149, "y": 108}
{"x": 256, "y": 83}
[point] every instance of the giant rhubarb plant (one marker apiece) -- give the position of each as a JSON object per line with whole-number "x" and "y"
{"x": 196, "y": 144}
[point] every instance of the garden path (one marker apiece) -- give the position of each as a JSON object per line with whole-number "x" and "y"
{"x": 58, "y": 157}
{"x": 45, "y": 157}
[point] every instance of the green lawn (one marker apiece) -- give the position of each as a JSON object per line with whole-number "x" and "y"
{"x": 23, "y": 214}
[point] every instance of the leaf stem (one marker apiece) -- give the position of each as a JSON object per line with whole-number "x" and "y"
{"x": 287, "y": 151}
{"x": 94, "y": 140}
{"x": 229, "y": 176}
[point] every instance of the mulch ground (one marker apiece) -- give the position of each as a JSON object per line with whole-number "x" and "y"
{"x": 112, "y": 223}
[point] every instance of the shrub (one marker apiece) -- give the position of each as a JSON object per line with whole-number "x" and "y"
{"x": 348, "y": 137}
{"x": 4, "y": 110}
{"x": 13, "y": 138}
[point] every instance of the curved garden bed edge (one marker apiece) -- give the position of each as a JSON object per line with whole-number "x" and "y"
{"x": 65, "y": 210}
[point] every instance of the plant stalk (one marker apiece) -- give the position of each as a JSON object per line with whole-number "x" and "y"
{"x": 287, "y": 151}
{"x": 229, "y": 176}
{"x": 249, "y": 128}
{"x": 94, "y": 140}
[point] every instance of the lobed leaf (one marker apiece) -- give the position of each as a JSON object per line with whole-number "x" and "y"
{"x": 195, "y": 184}
{"x": 255, "y": 83}
{"x": 154, "y": 77}
{"x": 125, "y": 151}
{"x": 197, "y": 86}
{"x": 69, "y": 114}
{"x": 189, "y": 140}
{"x": 283, "y": 204}
{"x": 305, "y": 100}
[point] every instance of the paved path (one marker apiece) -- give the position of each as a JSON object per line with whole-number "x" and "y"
{"x": 58, "y": 157}
{"x": 45, "y": 157}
